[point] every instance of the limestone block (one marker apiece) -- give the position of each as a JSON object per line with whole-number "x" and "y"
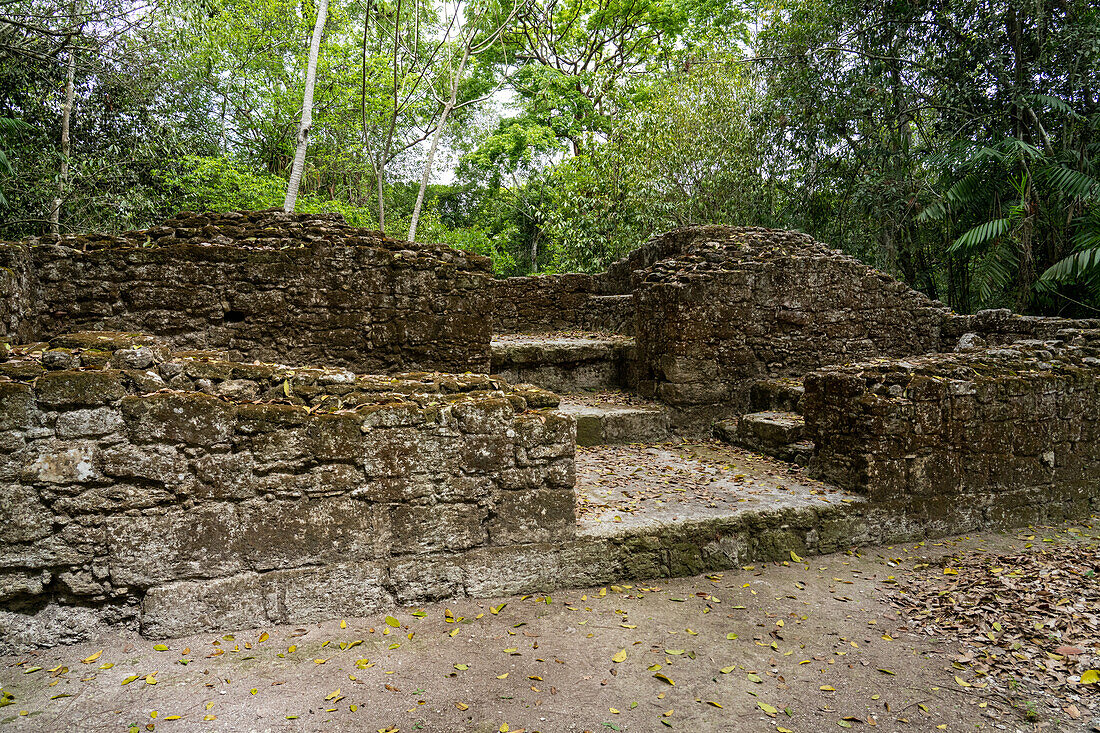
{"x": 499, "y": 571}
{"x": 524, "y": 517}
{"x": 70, "y": 465}
{"x": 16, "y": 583}
{"x": 115, "y": 498}
{"x": 484, "y": 416}
{"x": 192, "y": 418}
{"x": 16, "y": 406}
{"x": 190, "y": 606}
{"x": 282, "y": 534}
{"x": 423, "y": 530}
{"x": 88, "y": 423}
{"x": 79, "y": 388}
{"x": 422, "y": 580}
{"x": 339, "y": 589}
{"x": 150, "y": 550}
{"x": 226, "y": 476}
{"x": 152, "y": 463}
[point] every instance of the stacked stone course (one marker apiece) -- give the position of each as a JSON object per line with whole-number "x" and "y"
{"x": 292, "y": 288}
{"x": 987, "y": 437}
{"x": 135, "y": 478}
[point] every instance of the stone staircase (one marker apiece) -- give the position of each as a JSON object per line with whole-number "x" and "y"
{"x": 607, "y": 423}
{"x": 775, "y": 426}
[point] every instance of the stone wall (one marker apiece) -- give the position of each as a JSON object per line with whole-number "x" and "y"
{"x": 149, "y": 486}
{"x": 988, "y": 437}
{"x": 739, "y": 304}
{"x": 571, "y": 302}
{"x": 296, "y": 289}
{"x": 1001, "y": 326}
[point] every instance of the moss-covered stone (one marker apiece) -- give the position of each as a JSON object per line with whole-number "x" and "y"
{"x": 74, "y": 388}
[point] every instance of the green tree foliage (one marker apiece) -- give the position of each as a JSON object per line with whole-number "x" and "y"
{"x": 954, "y": 143}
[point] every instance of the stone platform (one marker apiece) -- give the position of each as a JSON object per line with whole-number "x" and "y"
{"x": 565, "y": 362}
{"x": 649, "y": 486}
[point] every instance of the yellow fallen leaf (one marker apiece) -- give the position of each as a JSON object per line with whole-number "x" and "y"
{"x": 391, "y": 621}
{"x": 1090, "y": 677}
{"x": 614, "y": 710}
{"x": 264, "y": 637}
{"x": 343, "y": 624}
{"x": 130, "y": 679}
{"x": 172, "y": 717}
{"x": 89, "y": 660}
{"x": 151, "y": 679}
{"x": 712, "y": 702}
{"x": 462, "y": 706}
{"x": 664, "y": 678}
{"x": 333, "y": 695}
{"x": 962, "y": 682}
{"x": 502, "y": 676}
{"x": 795, "y": 557}
{"x": 462, "y": 667}
{"x": 731, "y": 636}
{"x": 827, "y": 688}
{"x": 620, "y": 656}
{"x": 766, "y": 708}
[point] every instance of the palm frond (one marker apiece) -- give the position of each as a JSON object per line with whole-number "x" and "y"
{"x": 1073, "y": 182}
{"x": 971, "y": 241}
{"x": 1078, "y": 266}
{"x": 996, "y": 271}
{"x": 1055, "y": 104}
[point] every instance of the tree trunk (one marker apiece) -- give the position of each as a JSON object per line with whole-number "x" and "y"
{"x": 447, "y": 108}
{"x": 307, "y": 110}
{"x": 66, "y": 146}
{"x": 428, "y": 170}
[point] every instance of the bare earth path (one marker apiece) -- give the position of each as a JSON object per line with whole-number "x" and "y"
{"x": 825, "y": 644}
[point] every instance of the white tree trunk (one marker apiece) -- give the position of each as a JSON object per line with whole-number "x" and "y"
{"x": 66, "y": 145}
{"x": 307, "y": 110}
{"x": 426, "y": 176}
{"x": 447, "y": 108}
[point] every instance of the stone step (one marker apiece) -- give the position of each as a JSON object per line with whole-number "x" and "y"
{"x": 776, "y": 395}
{"x": 774, "y": 433}
{"x": 613, "y": 424}
{"x": 569, "y": 363}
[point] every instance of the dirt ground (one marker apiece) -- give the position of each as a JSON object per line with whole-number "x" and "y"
{"x": 813, "y": 644}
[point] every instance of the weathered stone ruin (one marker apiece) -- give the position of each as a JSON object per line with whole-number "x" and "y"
{"x": 295, "y": 290}
{"x": 219, "y": 423}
